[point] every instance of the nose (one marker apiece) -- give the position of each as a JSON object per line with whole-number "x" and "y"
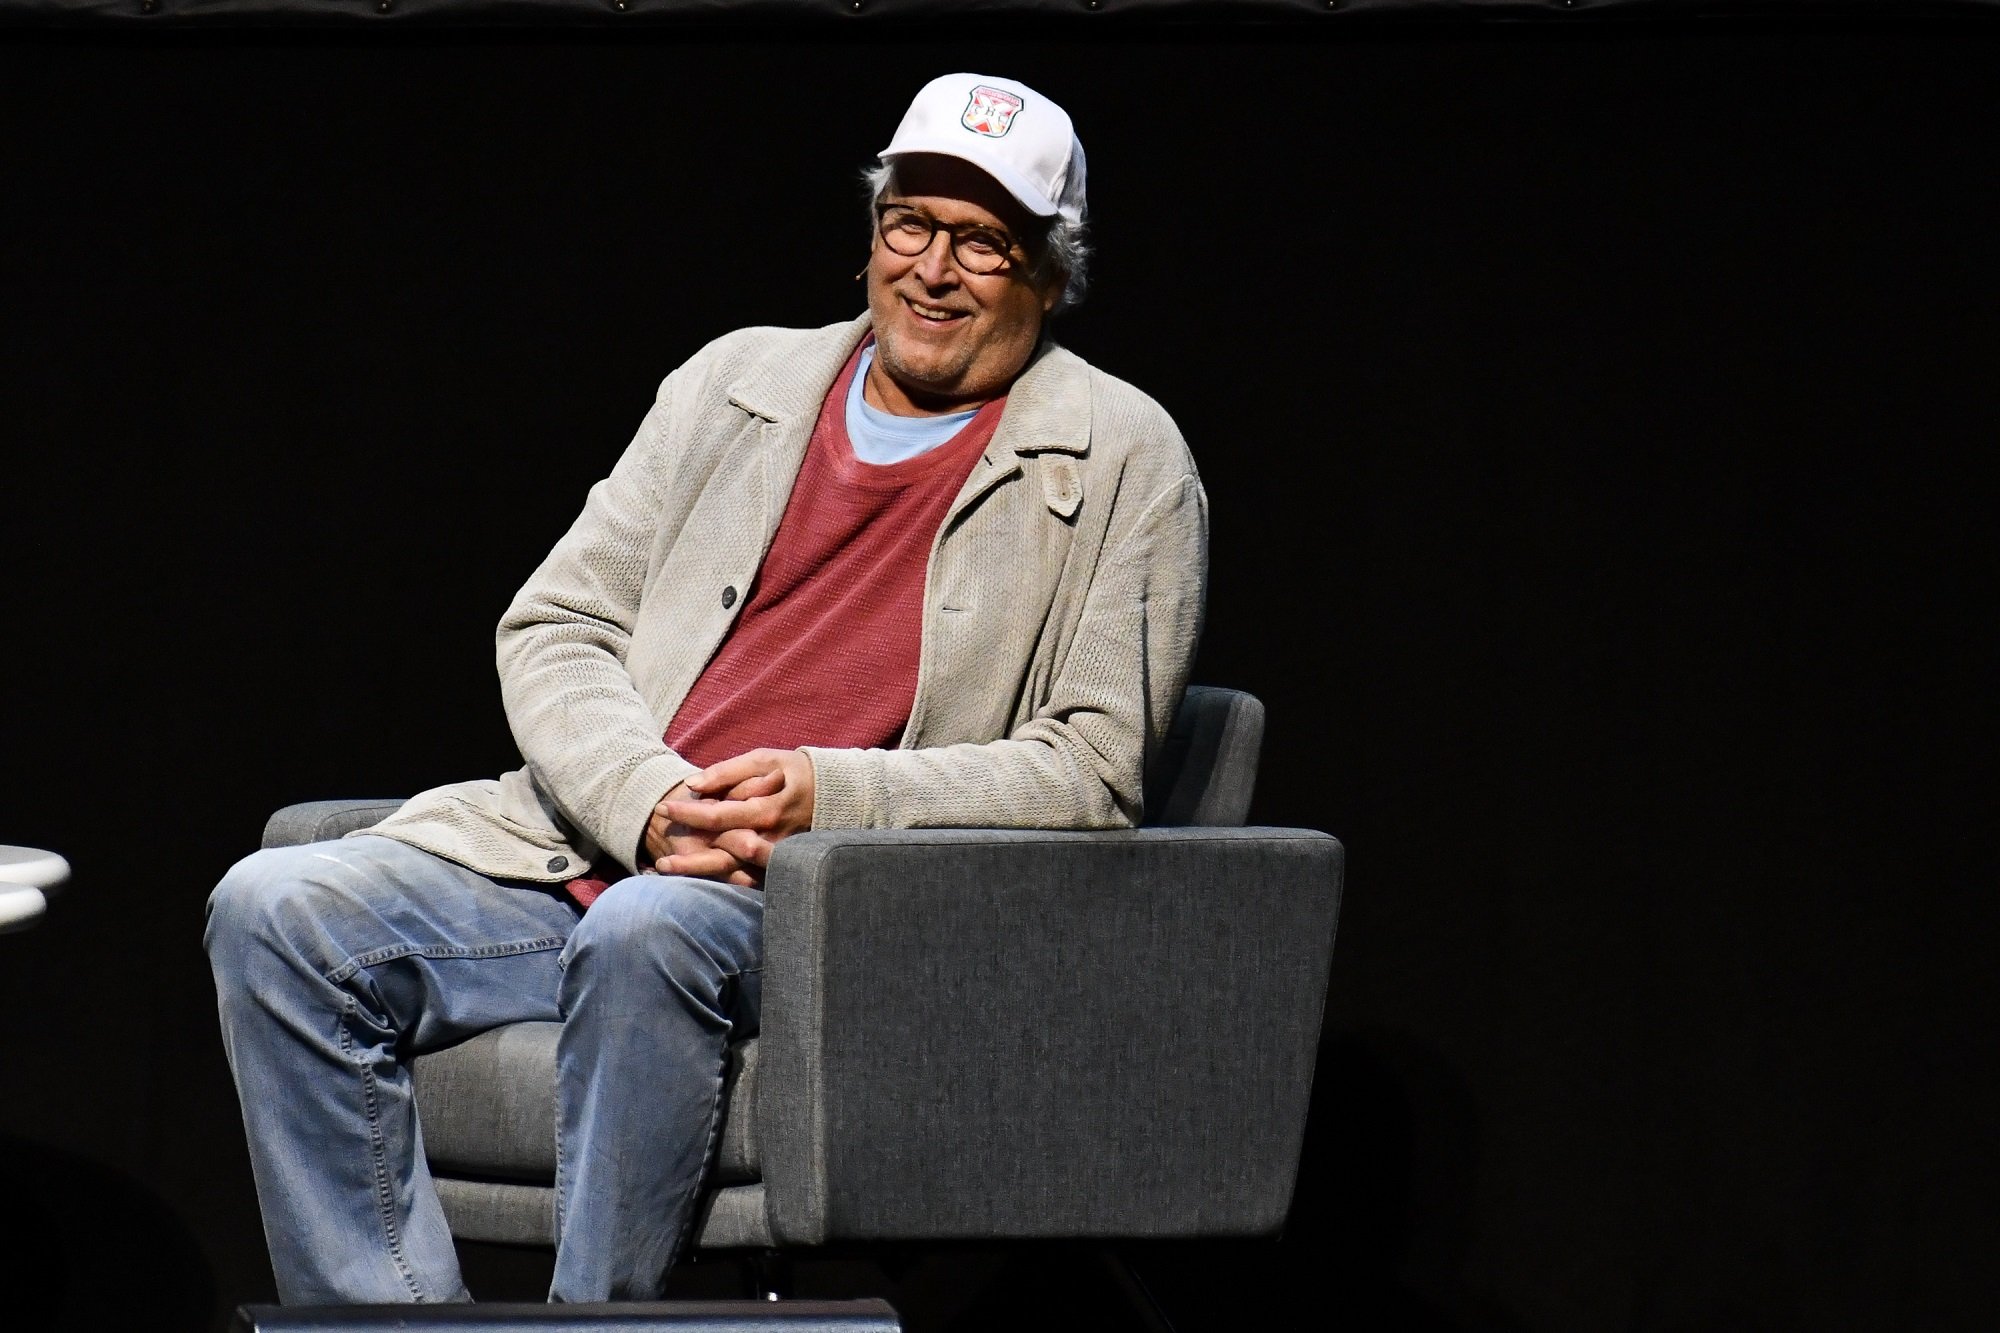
{"x": 935, "y": 266}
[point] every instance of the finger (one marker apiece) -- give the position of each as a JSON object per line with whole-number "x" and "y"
{"x": 722, "y": 776}
{"x": 711, "y": 864}
{"x": 743, "y": 879}
{"x": 684, "y": 841}
{"x": 764, "y": 784}
{"x": 745, "y": 846}
{"x": 715, "y": 816}
{"x": 693, "y": 846}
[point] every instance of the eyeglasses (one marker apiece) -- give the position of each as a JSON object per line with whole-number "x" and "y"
{"x": 977, "y": 249}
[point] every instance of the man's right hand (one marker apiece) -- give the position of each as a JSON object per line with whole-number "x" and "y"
{"x": 669, "y": 848}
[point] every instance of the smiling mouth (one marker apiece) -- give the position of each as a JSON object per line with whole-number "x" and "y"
{"x": 933, "y": 315}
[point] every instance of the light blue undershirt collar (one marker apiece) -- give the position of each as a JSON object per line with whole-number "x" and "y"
{"x": 882, "y": 437}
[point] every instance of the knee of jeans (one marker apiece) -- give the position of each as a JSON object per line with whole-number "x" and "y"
{"x": 262, "y": 899}
{"x": 665, "y": 917}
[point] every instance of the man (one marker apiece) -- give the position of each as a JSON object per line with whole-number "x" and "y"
{"x": 924, "y": 569}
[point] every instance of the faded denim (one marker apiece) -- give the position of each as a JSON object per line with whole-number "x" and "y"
{"x": 336, "y": 962}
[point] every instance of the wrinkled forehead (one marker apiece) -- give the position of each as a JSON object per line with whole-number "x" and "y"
{"x": 956, "y": 191}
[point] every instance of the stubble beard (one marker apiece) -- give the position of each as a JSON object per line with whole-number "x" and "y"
{"x": 937, "y": 376}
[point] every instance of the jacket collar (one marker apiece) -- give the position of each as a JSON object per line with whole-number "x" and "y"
{"x": 1048, "y": 407}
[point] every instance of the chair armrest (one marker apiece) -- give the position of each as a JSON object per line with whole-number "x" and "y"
{"x": 1004, "y": 1033}
{"x": 317, "y": 821}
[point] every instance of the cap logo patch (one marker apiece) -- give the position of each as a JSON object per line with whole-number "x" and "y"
{"x": 990, "y": 111}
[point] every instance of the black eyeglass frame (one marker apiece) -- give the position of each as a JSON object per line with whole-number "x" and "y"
{"x": 1007, "y": 255}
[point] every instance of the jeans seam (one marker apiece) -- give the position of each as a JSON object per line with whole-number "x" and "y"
{"x": 707, "y": 1167}
{"x": 562, "y": 1184}
{"x": 385, "y": 1195}
{"x": 714, "y": 1142}
{"x": 391, "y": 952}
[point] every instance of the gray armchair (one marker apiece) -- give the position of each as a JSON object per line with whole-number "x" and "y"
{"x": 976, "y": 1033}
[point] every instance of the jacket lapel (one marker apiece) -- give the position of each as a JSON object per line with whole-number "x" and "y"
{"x": 784, "y": 393}
{"x": 1048, "y": 411}
{"x": 1000, "y": 597}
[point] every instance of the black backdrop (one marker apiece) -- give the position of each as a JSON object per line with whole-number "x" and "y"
{"x": 1593, "y": 422}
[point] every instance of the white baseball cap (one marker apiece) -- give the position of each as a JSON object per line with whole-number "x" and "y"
{"x": 1006, "y": 129}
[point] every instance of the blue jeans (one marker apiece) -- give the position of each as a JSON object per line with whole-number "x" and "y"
{"x": 338, "y": 961}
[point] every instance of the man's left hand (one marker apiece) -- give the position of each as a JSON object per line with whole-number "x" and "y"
{"x": 783, "y": 812}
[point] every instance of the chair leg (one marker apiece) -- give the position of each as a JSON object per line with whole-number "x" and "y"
{"x": 769, "y": 1275}
{"x": 1137, "y": 1295}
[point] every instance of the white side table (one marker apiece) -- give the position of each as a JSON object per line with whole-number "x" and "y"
{"x": 28, "y": 878}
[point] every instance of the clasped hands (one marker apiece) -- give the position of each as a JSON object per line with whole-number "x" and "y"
{"x": 721, "y": 823}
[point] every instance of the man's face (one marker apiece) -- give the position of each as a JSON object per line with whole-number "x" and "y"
{"x": 946, "y": 338}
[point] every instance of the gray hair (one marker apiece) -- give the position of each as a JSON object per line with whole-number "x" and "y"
{"x": 1061, "y": 246}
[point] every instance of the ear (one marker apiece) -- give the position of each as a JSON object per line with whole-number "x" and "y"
{"x": 1053, "y": 290}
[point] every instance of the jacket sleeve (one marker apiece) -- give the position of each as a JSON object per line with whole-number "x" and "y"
{"x": 591, "y": 741}
{"x": 1079, "y": 761}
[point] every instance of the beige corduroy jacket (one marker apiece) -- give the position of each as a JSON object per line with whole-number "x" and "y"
{"x": 1062, "y": 604}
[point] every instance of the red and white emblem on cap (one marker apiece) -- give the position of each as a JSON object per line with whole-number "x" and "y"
{"x": 990, "y": 111}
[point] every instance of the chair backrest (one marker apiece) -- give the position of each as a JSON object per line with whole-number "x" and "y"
{"x": 1207, "y": 770}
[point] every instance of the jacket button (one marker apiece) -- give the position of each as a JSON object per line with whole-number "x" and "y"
{"x": 557, "y": 863}
{"x": 728, "y": 598}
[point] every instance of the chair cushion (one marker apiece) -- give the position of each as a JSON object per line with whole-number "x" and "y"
{"x": 1206, "y": 772}
{"x": 488, "y": 1108}
{"x": 732, "y": 1218}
